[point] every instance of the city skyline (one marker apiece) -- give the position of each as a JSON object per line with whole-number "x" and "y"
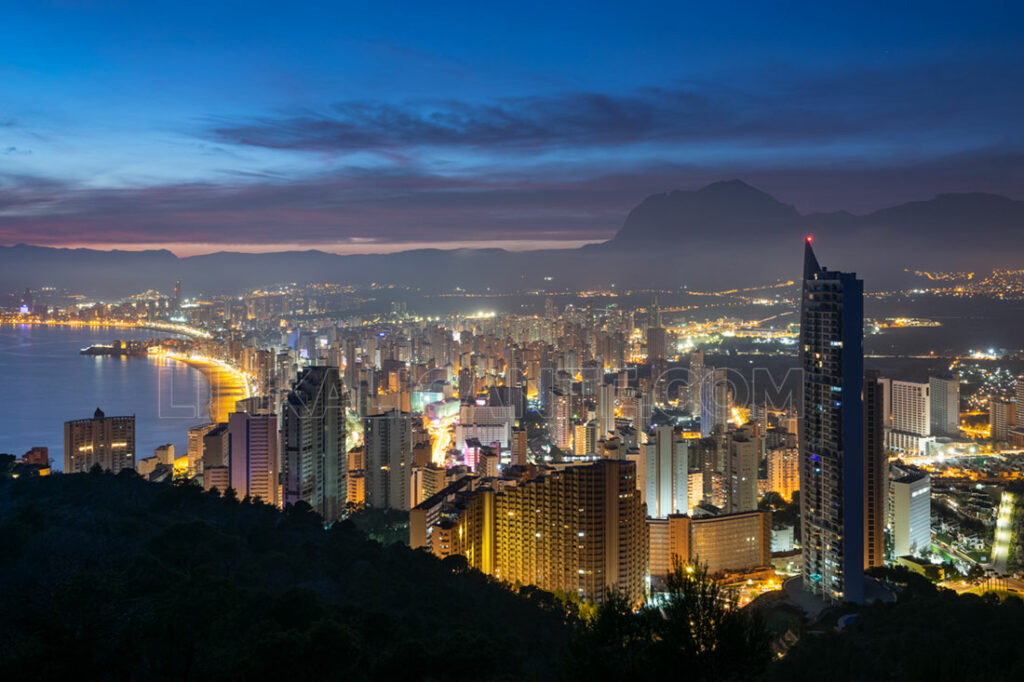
{"x": 482, "y": 342}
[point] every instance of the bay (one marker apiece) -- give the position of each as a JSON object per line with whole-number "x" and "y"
{"x": 45, "y": 381}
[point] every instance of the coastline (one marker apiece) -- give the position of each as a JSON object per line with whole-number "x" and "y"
{"x": 227, "y": 384}
{"x": 156, "y": 325}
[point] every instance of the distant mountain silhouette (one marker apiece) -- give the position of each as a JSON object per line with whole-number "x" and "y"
{"x": 727, "y": 233}
{"x": 722, "y": 210}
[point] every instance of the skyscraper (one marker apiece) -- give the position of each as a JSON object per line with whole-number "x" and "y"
{"x": 195, "y": 447}
{"x": 388, "y": 445}
{"x": 911, "y": 418}
{"x": 657, "y": 343}
{"x": 784, "y": 471}
{"x": 741, "y": 471}
{"x": 876, "y": 470}
{"x": 1019, "y": 407}
{"x": 666, "y": 469}
{"x": 945, "y": 407}
{"x": 1002, "y": 417}
{"x": 911, "y": 512}
{"x": 107, "y": 441}
{"x": 559, "y": 423}
{"x": 253, "y": 455}
{"x": 714, "y": 400}
{"x": 313, "y": 442}
{"x": 831, "y": 432}
{"x": 693, "y": 382}
{"x": 579, "y": 531}
{"x": 911, "y": 407}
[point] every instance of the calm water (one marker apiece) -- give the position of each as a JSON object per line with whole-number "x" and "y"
{"x": 44, "y": 381}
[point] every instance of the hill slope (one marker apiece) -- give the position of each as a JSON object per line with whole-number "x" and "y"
{"x": 109, "y": 577}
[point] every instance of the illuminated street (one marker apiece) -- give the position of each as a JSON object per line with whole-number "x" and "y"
{"x": 440, "y": 437}
{"x": 1004, "y": 534}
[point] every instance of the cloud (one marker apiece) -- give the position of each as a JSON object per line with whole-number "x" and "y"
{"x": 556, "y": 167}
{"x": 761, "y": 110}
{"x": 557, "y": 202}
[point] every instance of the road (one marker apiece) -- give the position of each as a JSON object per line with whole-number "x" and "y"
{"x": 1004, "y": 534}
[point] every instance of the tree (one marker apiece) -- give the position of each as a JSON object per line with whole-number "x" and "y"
{"x": 698, "y": 628}
{"x": 704, "y": 624}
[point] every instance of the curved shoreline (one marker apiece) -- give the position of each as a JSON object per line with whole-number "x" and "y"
{"x": 156, "y": 325}
{"x": 227, "y": 384}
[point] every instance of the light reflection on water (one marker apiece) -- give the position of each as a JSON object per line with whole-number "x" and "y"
{"x": 44, "y": 381}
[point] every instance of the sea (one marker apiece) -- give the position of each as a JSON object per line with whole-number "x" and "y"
{"x": 45, "y": 381}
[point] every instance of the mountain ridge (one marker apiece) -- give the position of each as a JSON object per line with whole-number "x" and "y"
{"x": 728, "y": 232}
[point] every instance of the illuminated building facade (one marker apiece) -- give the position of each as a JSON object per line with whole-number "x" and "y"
{"x": 728, "y": 542}
{"x": 741, "y": 471}
{"x": 666, "y": 474}
{"x": 253, "y": 456}
{"x": 1001, "y": 418}
{"x": 579, "y": 531}
{"x": 911, "y": 418}
{"x": 911, "y": 513}
{"x": 784, "y": 471}
{"x": 107, "y": 441}
{"x": 832, "y": 432}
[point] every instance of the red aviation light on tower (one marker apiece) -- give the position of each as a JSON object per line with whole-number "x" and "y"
{"x": 810, "y": 239}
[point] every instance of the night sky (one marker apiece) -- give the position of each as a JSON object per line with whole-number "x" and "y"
{"x": 369, "y": 127}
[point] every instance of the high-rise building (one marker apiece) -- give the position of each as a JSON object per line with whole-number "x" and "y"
{"x": 911, "y": 418}
{"x": 911, "y": 513}
{"x": 195, "y": 447}
{"x": 876, "y": 470}
{"x": 694, "y": 381}
{"x": 605, "y": 409}
{"x": 253, "y": 456}
{"x": 832, "y": 432}
{"x": 741, "y": 471}
{"x": 313, "y": 452}
{"x": 584, "y": 438}
{"x": 714, "y": 400}
{"x": 215, "y": 448}
{"x": 784, "y": 471}
{"x": 1019, "y": 416}
{"x": 388, "y": 444}
{"x": 107, "y": 441}
{"x": 486, "y": 423}
{"x": 911, "y": 407}
{"x": 560, "y": 424}
{"x": 657, "y": 343}
{"x": 945, "y": 405}
{"x": 726, "y": 542}
{"x": 666, "y": 467}
{"x": 519, "y": 447}
{"x": 1001, "y": 418}
{"x": 579, "y": 531}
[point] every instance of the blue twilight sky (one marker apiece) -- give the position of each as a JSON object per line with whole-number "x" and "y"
{"x": 354, "y": 126}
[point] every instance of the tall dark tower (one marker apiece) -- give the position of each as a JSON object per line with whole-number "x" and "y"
{"x": 876, "y": 471}
{"x": 832, "y": 432}
{"x": 314, "y": 460}
{"x": 177, "y": 293}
